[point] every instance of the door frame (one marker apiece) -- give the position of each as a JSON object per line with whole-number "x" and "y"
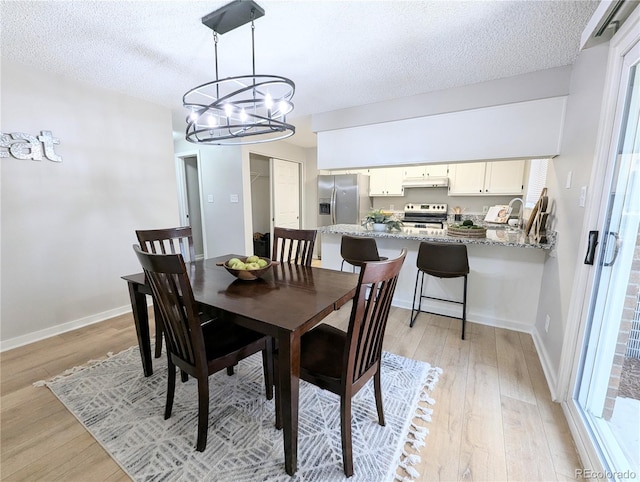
{"x": 576, "y": 330}
{"x": 181, "y": 182}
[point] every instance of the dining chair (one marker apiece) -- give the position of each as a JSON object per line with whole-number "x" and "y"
{"x": 199, "y": 349}
{"x": 441, "y": 260}
{"x": 355, "y": 250}
{"x": 343, "y": 362}
{"x": 165, "y": 241}
{"x": 293, "y": 245}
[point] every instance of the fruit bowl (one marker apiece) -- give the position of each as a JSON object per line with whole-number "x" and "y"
{"x": 248, "y": 274}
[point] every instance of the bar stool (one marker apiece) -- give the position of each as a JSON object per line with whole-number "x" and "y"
{"x": 442, "y": 260}
{"x": 356, "y": 250}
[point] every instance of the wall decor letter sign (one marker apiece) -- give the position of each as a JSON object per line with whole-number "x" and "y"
{"x": 25, "y": 146}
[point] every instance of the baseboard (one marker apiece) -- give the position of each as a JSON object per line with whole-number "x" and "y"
{"x": 473, "y": 317}
{"x": 22, "y": 340}
{"x": 550, "y": 373}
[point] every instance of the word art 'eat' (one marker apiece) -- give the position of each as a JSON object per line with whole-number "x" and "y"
{"x": 28, "y": 147}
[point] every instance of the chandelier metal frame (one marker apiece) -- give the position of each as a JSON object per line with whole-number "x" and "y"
{"x": 245, "y": 109}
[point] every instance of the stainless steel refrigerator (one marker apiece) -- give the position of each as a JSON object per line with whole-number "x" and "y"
{"x": 343, "y": 199}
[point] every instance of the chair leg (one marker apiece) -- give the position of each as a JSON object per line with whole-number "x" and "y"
{"x": 203, "y": 411}
{"x": 267, "y": 367}
{"x": 171, "y": 387}
{"x": 230, "y": 370}
{"x": 464, "y": 306}
{"x": 377, "y": 386}
{"x": 184, "y": 376}
{"x": 413, "y": 304}
{"x": 345, "y": 429}
{"x": 159, "y": 330}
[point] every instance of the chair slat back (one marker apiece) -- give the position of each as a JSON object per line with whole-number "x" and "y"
{"x": 293, "y": 245}
{"x": 171, "y": 288}
{"x": 369, "y": 314}
{"x": 168, "y": 241}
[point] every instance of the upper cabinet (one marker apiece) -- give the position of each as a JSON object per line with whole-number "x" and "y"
{"x": 386, "y": 181}
{"x": 425, "y": 171}
{"x": 486, "y": 178}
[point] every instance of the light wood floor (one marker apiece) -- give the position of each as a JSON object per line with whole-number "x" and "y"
{"x": 493, "y": 418}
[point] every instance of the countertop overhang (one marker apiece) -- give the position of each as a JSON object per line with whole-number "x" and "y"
{"x": 496, "y": 236}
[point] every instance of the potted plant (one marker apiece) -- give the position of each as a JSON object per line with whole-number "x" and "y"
{"x": 381, "y": 221}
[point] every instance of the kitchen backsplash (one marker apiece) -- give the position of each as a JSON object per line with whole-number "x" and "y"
{"x": 470, "y": 204}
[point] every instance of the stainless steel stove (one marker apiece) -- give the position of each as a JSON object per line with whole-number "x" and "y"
{"x": 425, "y": 215}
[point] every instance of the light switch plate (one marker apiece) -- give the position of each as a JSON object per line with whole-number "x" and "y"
{"x": 583, "y": 196}
{"x": 569, "y": 177}
{"x": 210, "y": 198}
{"x": 233, "y": 198}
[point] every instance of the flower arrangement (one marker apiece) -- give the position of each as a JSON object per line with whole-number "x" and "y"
{"x": 378, "y": 216}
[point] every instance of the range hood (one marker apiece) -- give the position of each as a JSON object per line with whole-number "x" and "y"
{"x": 426, "y": 182}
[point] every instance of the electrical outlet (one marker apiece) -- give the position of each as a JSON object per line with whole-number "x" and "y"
{"x": 547, "y": 320}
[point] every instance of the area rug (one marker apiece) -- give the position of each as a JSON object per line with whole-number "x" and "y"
{"x": 124, "y": 411}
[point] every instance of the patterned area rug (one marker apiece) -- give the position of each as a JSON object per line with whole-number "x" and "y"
{"x": 124, "y": 411}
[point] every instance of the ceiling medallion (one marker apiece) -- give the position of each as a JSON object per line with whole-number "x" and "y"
{"x": 246, "y": 109}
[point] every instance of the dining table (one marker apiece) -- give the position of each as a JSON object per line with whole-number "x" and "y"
{"x": 286, "y": 302}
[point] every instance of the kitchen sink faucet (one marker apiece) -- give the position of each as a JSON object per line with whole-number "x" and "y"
{"x": 521, "y": 212}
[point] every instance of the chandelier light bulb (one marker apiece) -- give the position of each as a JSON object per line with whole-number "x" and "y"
{"x": 193, "y": 116}
{"x": 212, "y": 121}
{"x": 228, "y": 109}
{"x": 268, "y": 101}
{"x": 283, "y": 107}
{"x": 243, "y": 115}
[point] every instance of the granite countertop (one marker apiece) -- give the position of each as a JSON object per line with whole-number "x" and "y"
{"x": 496, "y": 236}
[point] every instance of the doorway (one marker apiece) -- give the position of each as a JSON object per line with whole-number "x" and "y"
{"x": 276, "y": 198}
{"x": 189, "y": 199}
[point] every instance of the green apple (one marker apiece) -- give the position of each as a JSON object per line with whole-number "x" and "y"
{"x": 233, "y": 261}
{"x": 253, "y": 266}
{"x": 262, "y": 262}
{"x": 239, "y": 265}
{"x": 252, "y": 259}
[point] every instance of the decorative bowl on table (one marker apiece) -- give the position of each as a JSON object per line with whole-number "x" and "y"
{"x": 247, "y": 271}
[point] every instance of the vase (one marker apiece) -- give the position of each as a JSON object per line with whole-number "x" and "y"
{"x": 379, "y": 227}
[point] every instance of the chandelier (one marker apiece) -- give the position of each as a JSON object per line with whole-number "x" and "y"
{"x": 246, "y": 109}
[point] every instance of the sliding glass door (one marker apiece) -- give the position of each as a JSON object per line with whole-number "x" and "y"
{"x": 607, "y": 390}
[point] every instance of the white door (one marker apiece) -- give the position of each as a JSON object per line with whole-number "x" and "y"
{"x": 603, "y": 405}
{"x": 285, "y": 176}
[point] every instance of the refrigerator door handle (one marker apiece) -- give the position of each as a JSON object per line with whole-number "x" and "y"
{"x": 333, "y": 206}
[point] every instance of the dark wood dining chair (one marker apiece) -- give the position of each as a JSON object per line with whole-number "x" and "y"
{"x": 166, "y": 241}
{"x": 293, "y": 245}
{"x": 199, "y": 349}
{"x": 355, "y": 250}
{"x": 343, "y": 362}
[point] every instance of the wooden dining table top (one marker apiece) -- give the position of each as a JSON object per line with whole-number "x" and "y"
{"x": 288, "y": 297}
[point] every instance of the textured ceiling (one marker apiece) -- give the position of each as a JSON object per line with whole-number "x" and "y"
{"x": 339, "y": 53}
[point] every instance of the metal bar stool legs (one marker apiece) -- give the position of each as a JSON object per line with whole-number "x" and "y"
{"x": 440, "y": 260}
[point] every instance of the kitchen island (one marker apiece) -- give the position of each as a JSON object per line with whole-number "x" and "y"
{"x": 503, "y": 283}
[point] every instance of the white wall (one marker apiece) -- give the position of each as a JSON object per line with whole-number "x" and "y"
{"x": 577, "y": 154}
{"x": 67, "y": 228}
{"x": 221, "y": 170}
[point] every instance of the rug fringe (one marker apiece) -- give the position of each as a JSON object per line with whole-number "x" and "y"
{"x": 72, "y": 370}
{"x": 417, "y": 433}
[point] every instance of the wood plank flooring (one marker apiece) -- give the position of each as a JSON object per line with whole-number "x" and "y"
{"x": 493, "y": 418}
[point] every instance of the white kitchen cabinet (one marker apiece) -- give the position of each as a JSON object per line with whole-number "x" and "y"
{"x": 386, "y": 181}
{"x": 467, "y": 178}
{"x": 425, "y": 171}
{"x": 504, "y": 177}
{"x": 486, "y": 178}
